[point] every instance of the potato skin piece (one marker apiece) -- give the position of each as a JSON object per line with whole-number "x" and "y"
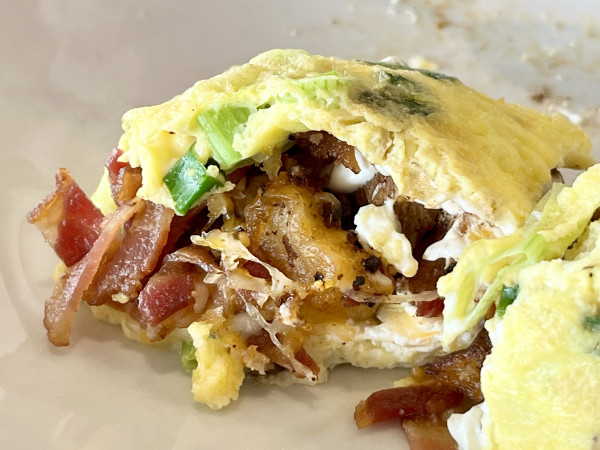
{"x": 289, "y": 227}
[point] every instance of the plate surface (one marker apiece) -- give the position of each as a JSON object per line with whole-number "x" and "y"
{"x": 71, "y": 69}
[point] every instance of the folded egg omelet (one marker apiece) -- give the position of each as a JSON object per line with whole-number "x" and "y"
{"x": 296, "y": 212}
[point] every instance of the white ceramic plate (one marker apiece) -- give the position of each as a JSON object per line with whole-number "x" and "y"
{"x": 69, "y": 71}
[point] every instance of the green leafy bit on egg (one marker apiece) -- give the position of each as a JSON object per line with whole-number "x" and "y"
{"x": 322, "y": 86}
{"x": 399, "y": 80}
{"x": 393, "y": 99}
{"x": 507, "y": 297}
{"x": 220, "y": 124}
{"x": 395, "y": 94}
{"x": 592, "y": 323}
{"x": 188, "y": 356}
{"x": 395, "y": 66}
{"x": 188, "y": 180}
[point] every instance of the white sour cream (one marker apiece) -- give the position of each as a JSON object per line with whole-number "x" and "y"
{"x": 344, "y": 181}
{"x": 377, "y": 227}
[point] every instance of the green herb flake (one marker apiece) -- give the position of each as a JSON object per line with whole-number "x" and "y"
{"x": 188, "y": 180}
{"x": 188, "y": 356}
{"x": 220, "y": 125}
{"x": 394, "y": 101}
{"x": 592, "y": 323}
{"x": 507, "y": 297}
{"x": 399, "y": 80}
{"x": 429, "y": 73}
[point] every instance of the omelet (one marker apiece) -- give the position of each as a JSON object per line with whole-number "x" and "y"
{"x": 444, "y": 144}
{"x": 540, "y": 379}
{"x": 295, "y": 212}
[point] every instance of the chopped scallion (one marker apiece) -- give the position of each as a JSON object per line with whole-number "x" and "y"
{"x": 507, "y": 297}
{"x": 188, "y": 356}
{"x": 187, "y": 180}
{"x": 321, "y": 86}
{"x": 220, "y": 124}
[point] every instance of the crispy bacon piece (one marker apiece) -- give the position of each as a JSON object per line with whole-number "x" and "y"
{"x": 68, "y": 220}
{"x": 325, "y": 146}
{"x": 257, "y": 270}
{"x": 266, "y": 346}
{"x": 304, "y": 358}
{"x": 124, "y": 179}
{"x": 171, "y": 289}
{"x": 129, "y": 180}
{"x": 238, "y": 174}
{"x": 376, "y": 191}
{"x": 433, "y": 308}
{"x": 428, "y": 435}
{"x": 163, "y": 295}
{"x": 176, "y": 294}
{"x": 451, "y": 383}
{"x": 136, "y": 256}
{"x": 461, "y": 370}
{"x": 114, "y": 165}
{"x": 61, "y": 307}
{"x": 181, "y": 228}
{"x": 421, "y": 401}
{"x": 197, "y": 255}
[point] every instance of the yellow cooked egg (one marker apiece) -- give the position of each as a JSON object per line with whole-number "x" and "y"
{"x": 220, "y": 372}
{"x": 542, "y": 379}
{"x": 443, "y": 143}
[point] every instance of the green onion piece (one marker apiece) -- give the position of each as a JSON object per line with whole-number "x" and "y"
{"x": 220, "y": 124}
{"x": 322, "y": 86}
{"x": 507, "y": 297}
{"x": 592, "y": 323}
{"x": 188, "y": 180}
{"x": 188, "y": 356}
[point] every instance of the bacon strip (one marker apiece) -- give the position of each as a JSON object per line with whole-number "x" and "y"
{"x": 266, "y": 346}
{"x": 194, "y": 254}
{"x": 428, "y": 436}
{"x": 113, "y": 164}
{"x": 128, "y": 182}
{"x": 433, "y": 308}
{"x": 450, "y": 383}
{"x": 175, "y": 286}
{"x": 124, "y": 179}
{"x": 420, "y": 401}
{"x": 61, "y": 307}
{"x": 67, "y": 219}
{"x": 461, "y": 370}
{"x": 325, "y": 146}
{"x": 182, "y": 227}
{"x": 164, "y": 294}
{"x": 135, "y": 258}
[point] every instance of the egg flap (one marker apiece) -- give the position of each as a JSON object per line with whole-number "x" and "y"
{"x": 443, "y": 143}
